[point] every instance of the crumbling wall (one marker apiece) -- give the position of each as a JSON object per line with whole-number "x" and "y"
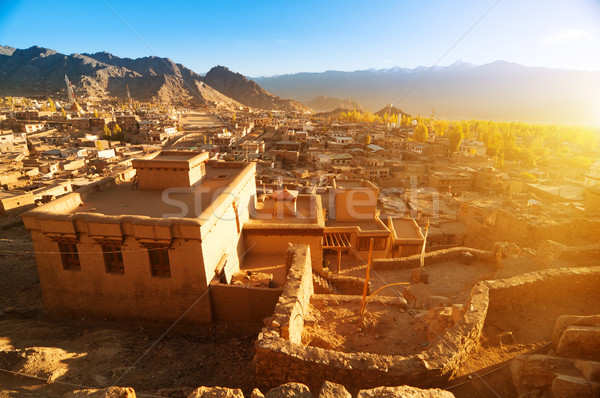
{"x": 438, "y": 256}
{"x": 280, "y": 359}
{"x": 288, "y": 317}
{"x": 280, "y": 356}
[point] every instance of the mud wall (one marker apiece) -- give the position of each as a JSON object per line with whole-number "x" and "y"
{"x": 438, "y": 256}
{"x": 279, "y": 359}
{"x": 240, "y": 304}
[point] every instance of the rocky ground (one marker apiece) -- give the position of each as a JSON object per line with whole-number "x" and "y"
{"x": 95, "y": 353}
{"x": 66, "y": 355}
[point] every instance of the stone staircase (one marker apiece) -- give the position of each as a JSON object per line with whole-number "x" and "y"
{"x": 570, "y": 369}
{"x": 324, "y": 286}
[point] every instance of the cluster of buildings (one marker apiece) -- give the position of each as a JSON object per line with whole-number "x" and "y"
{"x": 146, "y": 218}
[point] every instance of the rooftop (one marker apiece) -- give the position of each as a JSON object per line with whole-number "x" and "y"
{"x": 191, "y": 202}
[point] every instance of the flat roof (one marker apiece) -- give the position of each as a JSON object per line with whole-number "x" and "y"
{"x": 308, "y": 211}
{"x": 406, "y": 229}
{"x": 179, "y": 202}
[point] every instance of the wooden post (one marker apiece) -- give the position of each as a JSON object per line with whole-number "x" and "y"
{"x": 422, "y": 259}
{"x": 367, "y": 277}
{"x": 339, "y": 258}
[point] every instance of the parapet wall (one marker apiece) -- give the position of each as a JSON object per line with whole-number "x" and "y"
{"x": 438, "y": 256}
{"x": 281, "y": 358}
{"x": 288, "y": 317}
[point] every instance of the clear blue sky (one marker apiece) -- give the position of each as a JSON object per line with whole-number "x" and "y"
{"x": 274, "y": 37}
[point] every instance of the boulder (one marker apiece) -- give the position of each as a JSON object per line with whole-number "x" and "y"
{"x": 404, "y": 392}
{"x": 580, "y": 342}
{"x": 256, "y": 394}
{"x": 110, "y": 392}
{"x": 564, "y": 321}
{"x": 289, "y": 390}
{"x": 333, "y": 390}
{"x": 536, "y": 371}
{"x": 571, "y": 387}
{"x": 216, "y": 392}
{"x": 589, "y": 369}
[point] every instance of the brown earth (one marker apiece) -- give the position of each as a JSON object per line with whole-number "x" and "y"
{"x": 384, "y": 329}
{"x": 97, "y": 353}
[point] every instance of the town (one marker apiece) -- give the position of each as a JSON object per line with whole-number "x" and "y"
{"x": 344, "y": 250}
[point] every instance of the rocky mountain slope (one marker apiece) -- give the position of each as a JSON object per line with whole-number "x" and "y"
{"x": 41, "y": 71}
{"x": 246, "y": 91}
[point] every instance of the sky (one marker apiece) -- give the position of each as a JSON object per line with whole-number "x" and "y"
{"x": 263, "y": 38}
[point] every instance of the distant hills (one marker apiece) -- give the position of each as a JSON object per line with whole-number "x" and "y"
{"x": 41, "y": 71}
{"x": 496, "y": 91}
{"x": 328, "y": 104}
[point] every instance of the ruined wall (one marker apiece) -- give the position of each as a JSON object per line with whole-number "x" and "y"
{"x": 438, "y": 256}
{"x": 241, "y": 304}
{"x": 288, "y": 317}
{"x": 280, "y": 356}
{"x": 280, "y": 360}
{"x": 562, "y": 284}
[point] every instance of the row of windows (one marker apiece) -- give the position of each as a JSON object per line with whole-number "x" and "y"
{"x": 113, "y": 259}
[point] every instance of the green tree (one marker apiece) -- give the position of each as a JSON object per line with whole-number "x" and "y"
{"x": 117, "y": 129}
{"x": 106, "y": 131}
{"x": 95, "y": 113}
{"x": 368, "y": 139}
{"x": 421, "y": 133}
{"x": 64, "y": 113}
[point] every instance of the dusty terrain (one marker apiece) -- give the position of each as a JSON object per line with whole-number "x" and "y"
{"x": 384, "y": 329}
{"x": 89, "y": 353}
{"x": 97, "y": 353}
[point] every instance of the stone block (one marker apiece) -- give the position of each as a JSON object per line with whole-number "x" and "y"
{"x": 580, "y": 342}
{"x": 589, "y": 369}
{"x": 110, "y": 392}
{"x": 289, "y": 390}
{"x": 571, "y": 387}
{"x": 216, "y": 392}
{"x": 404, "y": 392}
{"x": 333, "y": 390}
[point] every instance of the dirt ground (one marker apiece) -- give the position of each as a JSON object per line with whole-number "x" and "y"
{"x": 452, "y": 279}
{"x": 96, "y": 353}
{"x": 384, "y": 329}
{"x": 530, "y": 322}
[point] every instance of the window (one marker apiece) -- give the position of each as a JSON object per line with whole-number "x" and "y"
{"x": 69, "y": 256}
{"x": 159, "y": 261}
{"x": 113, "y": 259}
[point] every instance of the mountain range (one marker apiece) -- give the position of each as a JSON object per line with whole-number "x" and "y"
{"x": 496, "y": 91}
{"x": 40, "y": 71}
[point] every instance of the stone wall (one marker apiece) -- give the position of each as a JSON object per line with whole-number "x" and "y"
{"x": 280, "y": 358}
{"x": 549, "y": 251}
{"x": 288, "y": 318}
{"x": 438, "y": 256}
